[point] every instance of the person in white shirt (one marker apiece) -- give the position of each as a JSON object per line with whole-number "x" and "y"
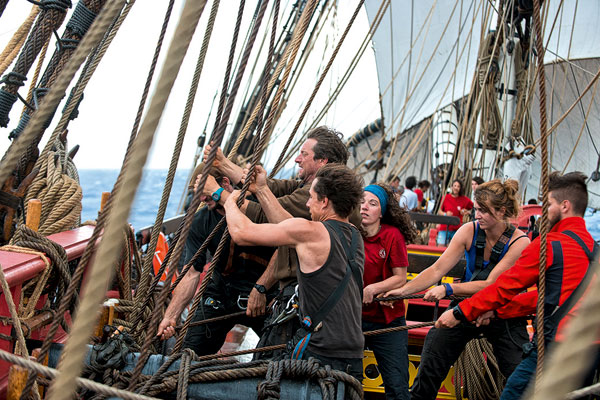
{"x": 409, "y": 199}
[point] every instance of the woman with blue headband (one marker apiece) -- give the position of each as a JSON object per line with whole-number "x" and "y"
{"x": 387, "y": 228}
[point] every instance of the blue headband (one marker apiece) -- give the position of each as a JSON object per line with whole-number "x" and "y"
{"x": 381, "y": 195}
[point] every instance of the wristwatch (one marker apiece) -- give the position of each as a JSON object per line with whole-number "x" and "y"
{"x": 458, "y": 314}
{"x": 260, "y": 288}
{"x": 216, "y": 196}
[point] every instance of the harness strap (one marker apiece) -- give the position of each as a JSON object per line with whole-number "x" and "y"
{"x": 309, "y": 324}
{"x": 350, "y": 251}
{"x": 496, "y": 253}
{"x": 559, "y": 312}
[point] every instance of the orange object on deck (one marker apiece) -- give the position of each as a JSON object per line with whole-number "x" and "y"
{"x": 159, "y": 255}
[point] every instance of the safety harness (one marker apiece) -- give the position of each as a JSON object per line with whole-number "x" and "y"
{"x": 481, "y": 272}
{"x": 310, "y": 324}
{"x": 556, "y": 313}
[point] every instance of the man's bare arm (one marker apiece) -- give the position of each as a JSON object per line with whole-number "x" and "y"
{"x": 257, "y": 302}
{"x": 181, "y": 297}
{"x": 273, "y": 210}
{"x": 244, "y": 232}
{"x": 224, "y": 165}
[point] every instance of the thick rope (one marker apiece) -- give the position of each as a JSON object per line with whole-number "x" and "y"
{"x": 80, "y": 382}
{"x": 15, "y": 44}
{"x": 219, "y": 133}
{"x": 279, "y": 162}
{"x": 182, "y": 232}
{"x": 39, "y": 281}
{"x": 544, "y": 187}
{"x": 49, "y": 20}
{"x": 578, "y": 394}
{"x": 21, "y": 346}
{"x": 107, "y": 251}
{"x": 173, "y": 167}
{"x": 52, "y": 99}
{"x": 28, "y": 238}
{"x": 102, "y": 217}
{"x": 472, "y": 369}
{"x": 59, "y": 192}
{"x": 304, "y": 370}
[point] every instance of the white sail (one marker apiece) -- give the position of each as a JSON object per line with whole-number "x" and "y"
{"x": 427, "y": 51}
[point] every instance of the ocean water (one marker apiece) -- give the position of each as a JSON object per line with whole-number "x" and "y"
{"x": 143, "y": 213}
{"x": 147, "y": 200}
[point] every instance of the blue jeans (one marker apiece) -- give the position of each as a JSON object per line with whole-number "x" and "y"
{"x": 444, "y": 237}
{"x": 391, "y": 352}
{"x": 520, "y": 378}
{"x": 525, "y": 373}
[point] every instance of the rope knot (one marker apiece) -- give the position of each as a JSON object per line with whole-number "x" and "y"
{"x": 270, "y": 388}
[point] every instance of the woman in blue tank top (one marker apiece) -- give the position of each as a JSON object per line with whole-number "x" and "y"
{"x": 491, "y": 245}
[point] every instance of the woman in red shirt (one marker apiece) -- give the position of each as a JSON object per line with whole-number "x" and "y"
{"x": 454, "y": 204}
{"x": 386, "y": 228}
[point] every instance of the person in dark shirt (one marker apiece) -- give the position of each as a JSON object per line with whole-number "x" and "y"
{"x": 323, "y": 145}
{"x": 234, "y": 277}
{"x": 330, "y": 251}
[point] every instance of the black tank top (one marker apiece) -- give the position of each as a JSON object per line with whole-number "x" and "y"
{"x": 340, "y": 335}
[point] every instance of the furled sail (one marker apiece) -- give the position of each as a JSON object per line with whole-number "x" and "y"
{"x": 426, "y": 53}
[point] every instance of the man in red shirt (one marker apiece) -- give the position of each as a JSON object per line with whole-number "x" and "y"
{"x": 569, "y": 254}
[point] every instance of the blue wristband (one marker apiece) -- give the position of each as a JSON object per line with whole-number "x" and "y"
{"x": 449, "y": 290}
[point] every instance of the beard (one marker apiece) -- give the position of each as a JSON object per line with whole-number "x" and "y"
{"x": 553, "y": 220}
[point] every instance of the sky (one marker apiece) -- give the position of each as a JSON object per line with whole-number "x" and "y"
{"x": 111, "y": 99}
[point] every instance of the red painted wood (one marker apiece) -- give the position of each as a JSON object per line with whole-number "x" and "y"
{"x": 19, "y": 268}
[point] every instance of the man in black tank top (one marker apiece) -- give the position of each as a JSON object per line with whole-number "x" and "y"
{"x": 330, "y": 254}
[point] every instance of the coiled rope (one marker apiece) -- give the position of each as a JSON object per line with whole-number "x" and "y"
{"x": 57, "y": 187}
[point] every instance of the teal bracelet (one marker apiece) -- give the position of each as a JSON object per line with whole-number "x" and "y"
{"x": 449, "y": 290}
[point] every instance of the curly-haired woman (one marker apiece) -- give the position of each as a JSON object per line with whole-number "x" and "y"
{"x": 387, "y": 228}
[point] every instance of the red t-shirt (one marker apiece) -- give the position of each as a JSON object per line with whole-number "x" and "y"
{"x": 419, "y": 193}
{"x": 454, "y": 205}
{"x": 384, "y": 251}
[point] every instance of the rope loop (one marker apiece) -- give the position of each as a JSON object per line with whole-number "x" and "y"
{"x": 6, "y": 102}
{"x": 15, "y": 133}
{"x": 14, "y": 78}
{"x": 270, "y": 388}
{"x": 81, "y": 20}
{"x": 65, "y": 44}
{"x": 60, "y": 5}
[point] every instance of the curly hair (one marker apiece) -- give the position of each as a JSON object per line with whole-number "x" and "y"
{"x": 397, "y": 216}
{"x": 341, "y": 186}
{"x": 497, "y": 194}
{"x": 329, "y": 145}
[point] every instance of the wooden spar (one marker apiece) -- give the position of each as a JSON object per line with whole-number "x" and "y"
{"x": 17, "y": 377}
{"x": 104, "y": 199}
{"x": 34, "y": 213}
